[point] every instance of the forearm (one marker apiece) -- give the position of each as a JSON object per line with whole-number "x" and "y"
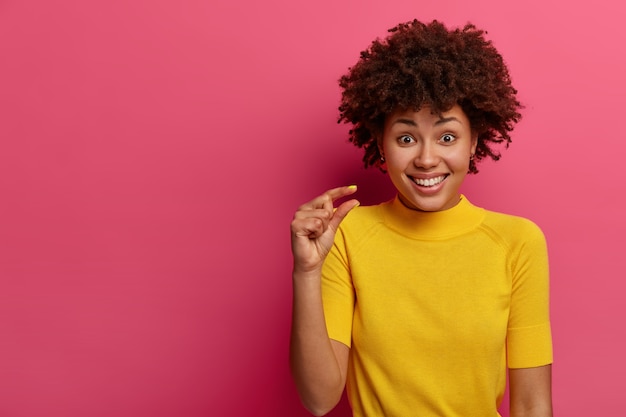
{"x": 531, "y": 391}
{"x": 315, "y": 367}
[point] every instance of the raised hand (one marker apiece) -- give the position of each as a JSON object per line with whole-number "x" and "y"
{"x": 314, "y": 226}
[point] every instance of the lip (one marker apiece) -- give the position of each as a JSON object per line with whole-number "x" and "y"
{"x": 434, "y": 189}
{"x": 427, "y": 177}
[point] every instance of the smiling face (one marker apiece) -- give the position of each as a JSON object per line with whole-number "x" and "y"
{"x": 427, "y": 156}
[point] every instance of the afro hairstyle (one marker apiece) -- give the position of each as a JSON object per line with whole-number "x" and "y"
{"x": 419, "y": 65}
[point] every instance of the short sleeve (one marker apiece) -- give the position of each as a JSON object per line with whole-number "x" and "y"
{"x": 529, "y": 339}
{"x": 338, "y": 292}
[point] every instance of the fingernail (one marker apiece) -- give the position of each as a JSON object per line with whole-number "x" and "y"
{"x": 352, "y": 186}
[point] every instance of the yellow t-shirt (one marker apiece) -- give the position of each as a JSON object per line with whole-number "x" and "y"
{"x": 435, "y": 306}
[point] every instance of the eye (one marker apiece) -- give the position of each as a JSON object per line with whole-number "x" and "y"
{"x": 405, "y": 140}
{"x": 447, "y": 138}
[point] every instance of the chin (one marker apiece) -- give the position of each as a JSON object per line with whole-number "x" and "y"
{"x": 428, "y": 204}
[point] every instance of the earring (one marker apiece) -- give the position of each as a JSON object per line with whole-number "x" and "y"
{"x": 382, "y": 159}
{"x": 471, "y": 157}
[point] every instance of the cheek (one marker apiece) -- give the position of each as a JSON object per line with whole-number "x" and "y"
{"x": 399, "y": 160}
{"x": 460, "y": 160}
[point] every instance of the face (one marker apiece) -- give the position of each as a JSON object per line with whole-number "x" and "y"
{"x": 427, "y": 156}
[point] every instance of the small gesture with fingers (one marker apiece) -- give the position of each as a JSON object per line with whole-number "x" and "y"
{"x": 314, "y": 226}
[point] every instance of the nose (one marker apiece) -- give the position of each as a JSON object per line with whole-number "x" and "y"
{"x": 426, "y": 156}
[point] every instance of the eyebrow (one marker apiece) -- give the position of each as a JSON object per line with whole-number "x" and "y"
{"x": 411, "y": 122}
{"x": 446, "y": 120}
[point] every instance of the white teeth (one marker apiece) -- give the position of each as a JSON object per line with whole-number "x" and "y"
{"x": 429, "y": 182}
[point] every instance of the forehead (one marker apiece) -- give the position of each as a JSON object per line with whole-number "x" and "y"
{"x": 426, "y": 116}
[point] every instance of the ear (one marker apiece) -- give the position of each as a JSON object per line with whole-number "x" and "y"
{"x": 474, "y": 142}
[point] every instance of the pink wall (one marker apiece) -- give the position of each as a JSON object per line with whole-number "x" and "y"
{"x": 152, "y": 153}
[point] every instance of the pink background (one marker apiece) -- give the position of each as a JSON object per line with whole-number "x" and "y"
{"x": 152, "y": 153}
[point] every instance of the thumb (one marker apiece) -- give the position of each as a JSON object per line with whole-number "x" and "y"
{"x": 341, "y": 212}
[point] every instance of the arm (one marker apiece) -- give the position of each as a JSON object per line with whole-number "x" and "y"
{"x": 318, "y": 364}
{"x": 531, "y": 391}
{"x": 529, "y": 339}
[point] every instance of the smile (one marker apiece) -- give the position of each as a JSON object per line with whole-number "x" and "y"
{"x": 429, "y": 182}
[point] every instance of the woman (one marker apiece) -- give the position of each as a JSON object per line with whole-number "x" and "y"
{"x": 418, "y": 306}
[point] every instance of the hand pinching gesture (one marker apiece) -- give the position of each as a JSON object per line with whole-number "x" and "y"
{"x": 314, "y": 226}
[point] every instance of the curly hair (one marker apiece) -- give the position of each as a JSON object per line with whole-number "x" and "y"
{"x": 428, "y": 65}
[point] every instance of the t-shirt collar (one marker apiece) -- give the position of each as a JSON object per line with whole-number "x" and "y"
{"x": 457, "y": 220}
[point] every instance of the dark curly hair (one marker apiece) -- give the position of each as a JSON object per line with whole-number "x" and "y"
{"x": 426, "y": 64}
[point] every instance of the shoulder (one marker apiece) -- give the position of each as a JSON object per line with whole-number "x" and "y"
{"x": 361, "y": 221}
{"x": 364, "y": 215}
{"x": 508, "y": 221}
{"x": 513, "y": 230}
